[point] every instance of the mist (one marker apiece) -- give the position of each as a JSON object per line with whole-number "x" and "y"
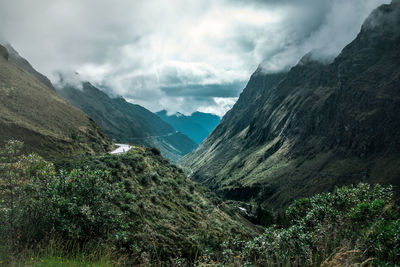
{"x": 177, "y": 55}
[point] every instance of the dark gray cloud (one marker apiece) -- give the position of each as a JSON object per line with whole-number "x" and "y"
{"x": 175, "y": 54}
{"x": 208, "y": 90}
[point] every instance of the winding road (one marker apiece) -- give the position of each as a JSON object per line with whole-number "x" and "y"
{"x": 122, "y": 148}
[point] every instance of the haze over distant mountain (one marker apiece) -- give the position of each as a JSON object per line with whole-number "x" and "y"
{"x": 318, "y": 126}
{"x": 126, "y": 122}
{"x": 197, "y": 126}
{"x": 31, "y": 111}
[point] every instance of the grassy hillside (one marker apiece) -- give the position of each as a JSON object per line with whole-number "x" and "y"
{"x": 127, "y": 122}
{"x": 138, "y": 210}
{"x": 135, "y": 206}
{"x": 32, "y": 112}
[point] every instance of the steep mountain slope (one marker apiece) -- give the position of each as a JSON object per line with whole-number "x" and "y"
{"x": 196, "y": 126}
{"x": 25, "y": 65}
{"x": 128, "y": 123}
{"x": 31, "y": 111}
{"x": 319, "y": 125}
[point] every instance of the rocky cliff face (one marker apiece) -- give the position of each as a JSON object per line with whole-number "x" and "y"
{"x": 319, "y": 125}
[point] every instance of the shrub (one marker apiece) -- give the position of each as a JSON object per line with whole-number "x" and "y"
{"x": 129, "y": 205}
{"x": 155, "y": 151}
{"x": 25, "y": 180}
{"x": 85, "y": 205}
{"x": 344, "y": 223}
{"x": 38, "y": 204}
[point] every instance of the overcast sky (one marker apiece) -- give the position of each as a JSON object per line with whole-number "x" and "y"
{"x": 179, "y": 55}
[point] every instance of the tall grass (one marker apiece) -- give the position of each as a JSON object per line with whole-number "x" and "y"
{"x": 59, "y": 253}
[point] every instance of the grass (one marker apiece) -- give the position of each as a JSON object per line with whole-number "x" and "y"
{"x": 136, "y": 206}
{"x": 54, "y": 254}
{"x": 137, "y": 209}
{"x": 34, "y": 113}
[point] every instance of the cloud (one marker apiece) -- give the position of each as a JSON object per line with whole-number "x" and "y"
{"x": 175, "y": 54}
{"x": 220, "y": 106}
{"x": 339, "y": 25}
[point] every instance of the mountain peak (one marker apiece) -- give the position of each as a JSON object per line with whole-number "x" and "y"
{"x": 196, "y": 126}
{"x": 313, "y": 128}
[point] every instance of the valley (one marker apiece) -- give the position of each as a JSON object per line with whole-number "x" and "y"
{"x": 129, "y": 162}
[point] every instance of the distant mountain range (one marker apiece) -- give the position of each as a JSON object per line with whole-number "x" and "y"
{"x": 315, "y": 127}
{"x": 31, "y": 111}
{"x": 197, "y": 126}
{"x": 126, "y": 122}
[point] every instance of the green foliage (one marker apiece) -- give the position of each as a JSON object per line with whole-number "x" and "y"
{"x": 136, "y": 205}
{"x": 23, "y": 214}
{"x": 85, "y": 205}
{"x": 146, "y": 211}
{"x": 355, "y": 223}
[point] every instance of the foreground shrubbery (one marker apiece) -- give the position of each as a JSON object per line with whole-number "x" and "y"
{"x": 352, "y": 225}
{"x": 39, "y": 205}
{"x": 135, "y": 207}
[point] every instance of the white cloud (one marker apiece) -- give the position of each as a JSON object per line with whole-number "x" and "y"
{"x": 221, "y": 106}
{"x": 164, "y": 54}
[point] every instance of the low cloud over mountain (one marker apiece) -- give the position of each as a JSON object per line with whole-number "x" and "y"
{"x": 180, "y": 59}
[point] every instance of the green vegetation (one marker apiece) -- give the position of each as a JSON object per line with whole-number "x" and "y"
{"x": 138, "y": 209}
{"x": 352, "y": 226}
{"x": 129, "y": 209}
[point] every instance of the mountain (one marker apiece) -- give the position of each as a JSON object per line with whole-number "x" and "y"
{"x": 317, "y": 126}
{"x": 197, "y": 126}
{"x": 25, "y": 65}
{"x": 31, "y": 111}
{"x": 126, "y": 122}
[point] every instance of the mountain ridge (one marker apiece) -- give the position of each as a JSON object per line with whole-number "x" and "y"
{"x": 196, "y": 126}
{"x": 127, "y": 122}
{"x": 318, "y": 126}
{"x": 32, "y": 112}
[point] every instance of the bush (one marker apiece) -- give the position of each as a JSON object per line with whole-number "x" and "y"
{"x": 85, "y": 206}
{"x": 25, "y": 181}
{"x": 155, "y": 151}
{"x": 130, "y": 205}
{"x": 38, "y": 204}
{"x": 328, "y": 226}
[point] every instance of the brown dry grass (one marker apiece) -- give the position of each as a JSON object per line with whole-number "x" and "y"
{"x": 346, "y": 257}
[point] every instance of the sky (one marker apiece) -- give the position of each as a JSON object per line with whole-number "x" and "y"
{"x": 178, "y": 55}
